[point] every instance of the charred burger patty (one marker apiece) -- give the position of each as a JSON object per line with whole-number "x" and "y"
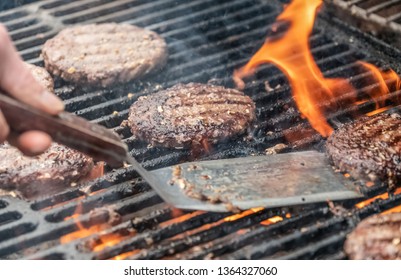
{"x": 369, "y": 149}
{"x": 104, "y": 54}
{"x": 377, "y": 237}
{"x": 187, "y": 114}
{"x": 52, "y": 171}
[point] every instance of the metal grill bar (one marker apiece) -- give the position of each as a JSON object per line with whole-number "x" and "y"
{"x": 380, "y": 18}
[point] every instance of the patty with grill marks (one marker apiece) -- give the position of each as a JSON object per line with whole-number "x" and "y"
{"x": 45, "y": 174}
{"x": 375, "y": 238}
{"x": 104, "y": 54}
{"x": 42, "y": 76}
{"x": 185, "y": 115}
{"x": 368, "y": 149}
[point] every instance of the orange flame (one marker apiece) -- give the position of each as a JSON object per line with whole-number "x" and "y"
{"x": 82, "y": 230}
{"x": 383, "y": 78}
{"x": 109, "y": 240}
{"x": 396, "y": 209}
{"x": 313, "y": 93}
{"x": 217, "y": 223}
{"x": 271, "y": 220}
{"x": 373, "y": 199}
{"x": 81, "y": 233}
{"x": 180, "y": 219}
{"x": 175, "y": 212}
{"x": 125, "y": 255}
{"x": 102, "y": 241}
{"x": 243, "y": 214}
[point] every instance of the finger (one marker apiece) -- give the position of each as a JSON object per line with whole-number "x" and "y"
{"x": 4, "y": 129}
{"x": 32, "y": 143}
{"x": 16, "y": 79}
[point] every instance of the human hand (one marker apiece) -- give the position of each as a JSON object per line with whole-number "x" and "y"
{"x": 17, "y": 81}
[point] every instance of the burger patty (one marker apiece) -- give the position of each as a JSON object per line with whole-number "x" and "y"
{"x": 369, "y": 149}
{"x": 187, "y": 114}
{"x": 377, "y": 237}
{"x": 104, "y": 54}
{"x": 48, "y": 173}
{"x": 42, "y": 76}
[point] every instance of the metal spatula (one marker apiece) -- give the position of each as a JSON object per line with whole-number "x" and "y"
{"x": 218, "y": 185}
{"x": 249, "y": 182}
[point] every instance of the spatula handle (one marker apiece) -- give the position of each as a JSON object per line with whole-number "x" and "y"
{"x": 67, "y": 129}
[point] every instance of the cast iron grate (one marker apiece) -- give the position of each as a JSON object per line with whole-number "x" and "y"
{"x": 207, "y": 40}
{"x": 381, "y": 18}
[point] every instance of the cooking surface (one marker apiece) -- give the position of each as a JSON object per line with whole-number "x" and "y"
{"x": 382, "y": 18}
{"x": 118, "y": 215}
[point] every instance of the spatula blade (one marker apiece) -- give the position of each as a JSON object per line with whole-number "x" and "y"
{"x": 261, "y": 181}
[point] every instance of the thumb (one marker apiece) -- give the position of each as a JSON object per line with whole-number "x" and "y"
{"x": 16, "y": 79}
{"x": 4, "y": 129}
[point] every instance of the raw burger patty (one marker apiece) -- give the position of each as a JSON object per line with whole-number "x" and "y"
{"x": 104, "y": 54}
{"x": 187, "y": 114}
{"x": 369, "y": 149}
{"x": 45, "y": 174}
{"x": 42, "y": 76}
{"x": 376, "y": 237}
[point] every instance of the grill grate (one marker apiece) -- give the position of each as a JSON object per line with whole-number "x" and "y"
{"x": 381, "y": 18}
{"x": 207, "y": 41}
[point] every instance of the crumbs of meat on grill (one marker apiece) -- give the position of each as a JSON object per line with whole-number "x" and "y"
{"x": 104, "y": 54}
{"x": 369, "y": 149}
{"x": 376, "y": 237}
{"x": 204, "y": 191}
{"x": 55, "y": 170}
{"x": 186, "y": 115}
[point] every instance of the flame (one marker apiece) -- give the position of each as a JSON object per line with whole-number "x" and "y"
{"x": 82, "y": 230}
{"x": 378, "y": 111}
{"x": 314, "y": 94}
{"x": 396, "y": 209}
{"x": 175, "y": 212}
{"x": 243, "y": 214}
{"x": 371, "y": 200}
{"x": 181, "y": 218}
{"x": 81, "y": 233}
{"x": 271, "y": 220}
{"x": 109, "y": 240}
{"x": 384, "y": 79}
{"x": 219, "y": 222}
{"x": 125, "y": 255}
{"x": 242, "y": 231}
{"x": 102, "y": 241}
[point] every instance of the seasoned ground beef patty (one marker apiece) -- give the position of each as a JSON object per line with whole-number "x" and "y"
{"x": 187, "y": 114}
{"x": 104, "y": 54}
{"x": 42, "y": 76}
{"x": 375, "y": 238}
{"x": 369, "y": 148}
{"x": 45, "y": 174}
